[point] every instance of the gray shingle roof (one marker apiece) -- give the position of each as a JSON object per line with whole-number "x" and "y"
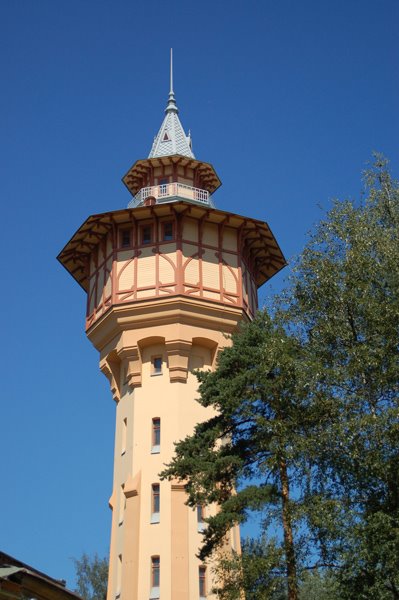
{"x": 171, "y": 138}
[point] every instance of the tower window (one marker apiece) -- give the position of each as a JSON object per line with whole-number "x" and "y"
{"x": 122, "y": 504}
{"x": 167, "y": 231}
{"x": 156, "y": 436}
{"x": 124, "y": 436}
{"x": 125, "y": 238}
{"x": 202, "y": 581}
{"x": 119, "y": 576}
{"x": 146, "y": 234}
{"x": 200, "y": 518}
{"x": 155, "y": 577}
{"x": 156, "y": 365}
{"x": 165, "y": 137}
{"x": 155, "y": 503}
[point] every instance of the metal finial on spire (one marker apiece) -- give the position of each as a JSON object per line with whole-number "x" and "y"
{"x": 171, "y": 71}
{"x": 171, "y": 101}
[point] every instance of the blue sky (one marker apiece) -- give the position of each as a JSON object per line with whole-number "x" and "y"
{"x": 286, "y": 99}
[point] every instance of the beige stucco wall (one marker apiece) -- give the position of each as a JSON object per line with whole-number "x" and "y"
{"x": 174, "y": 403}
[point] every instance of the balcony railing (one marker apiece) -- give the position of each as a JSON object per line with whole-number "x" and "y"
{"x": 169, "y": 192}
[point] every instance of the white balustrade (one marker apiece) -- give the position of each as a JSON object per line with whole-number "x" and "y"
{"x": 162, "y": 192}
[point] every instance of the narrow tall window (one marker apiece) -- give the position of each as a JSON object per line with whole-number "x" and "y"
{"x": 119, "y": 575}
{"x": 156, "y": 436}
{"x": 156, "y": 365}
{"x": 167, "y": 231}
{"x": 155, "y": 503}
{"x": 202, "y": 581}
{"x": 200, "y": 518}
{"x": 146, "y": 234}
{"x": 122, "y": 504}
{"x": 155, "y": 577}
{"x": 125, "y": 238}
{"x": 124, "y": 436}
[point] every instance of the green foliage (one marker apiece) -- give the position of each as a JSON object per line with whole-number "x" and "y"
{"x": 319, "y": 585}
{"x": 307, "y": 428}
{"x": 345, "y": 306}
{"x": 257, "y": 571}
{"x": 91, "y": 577}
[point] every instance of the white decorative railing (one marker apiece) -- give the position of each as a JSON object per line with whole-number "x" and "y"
{"x": 166, "y": 191}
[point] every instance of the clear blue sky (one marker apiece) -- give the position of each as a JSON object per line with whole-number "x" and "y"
{"x": 286, "y": 99}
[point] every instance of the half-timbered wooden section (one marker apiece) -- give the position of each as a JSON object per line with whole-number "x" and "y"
{"x": 168, "y": 250}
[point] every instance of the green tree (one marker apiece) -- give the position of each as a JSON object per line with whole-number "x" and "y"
{"x": 307, "y": 429}
{"x": 319, "y": 585}
{"x": 248, "y": 457}
{"x": 345, "y": 306}
{"x": 91, "y": 577}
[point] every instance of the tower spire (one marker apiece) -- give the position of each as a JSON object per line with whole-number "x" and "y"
{"x": 171, "y": 100}
{"x": 171, "y": 71}
{"x": 171, "y": 138}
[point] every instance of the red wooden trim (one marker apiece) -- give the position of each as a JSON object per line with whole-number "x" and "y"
{"x": 200, "y": 253}
{"x": 122, "y": 269}
{"x": 184, "y": 267}
{"x": 114, "y": 265}
{"x": 136, "y": 268}
{"x": 220, "y": 258}
{"x": 179, "y": 252}
{"x": 232, "y": 272}
{"x": 170, "y": 261}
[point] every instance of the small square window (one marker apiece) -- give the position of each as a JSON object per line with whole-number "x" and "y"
{"x": 146, "y": 234}
{"x": 167, "y": 231}
{"x": 157, "y": 365}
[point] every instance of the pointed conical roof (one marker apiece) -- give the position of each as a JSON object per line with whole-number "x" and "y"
{"x": 171, "y": 138}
